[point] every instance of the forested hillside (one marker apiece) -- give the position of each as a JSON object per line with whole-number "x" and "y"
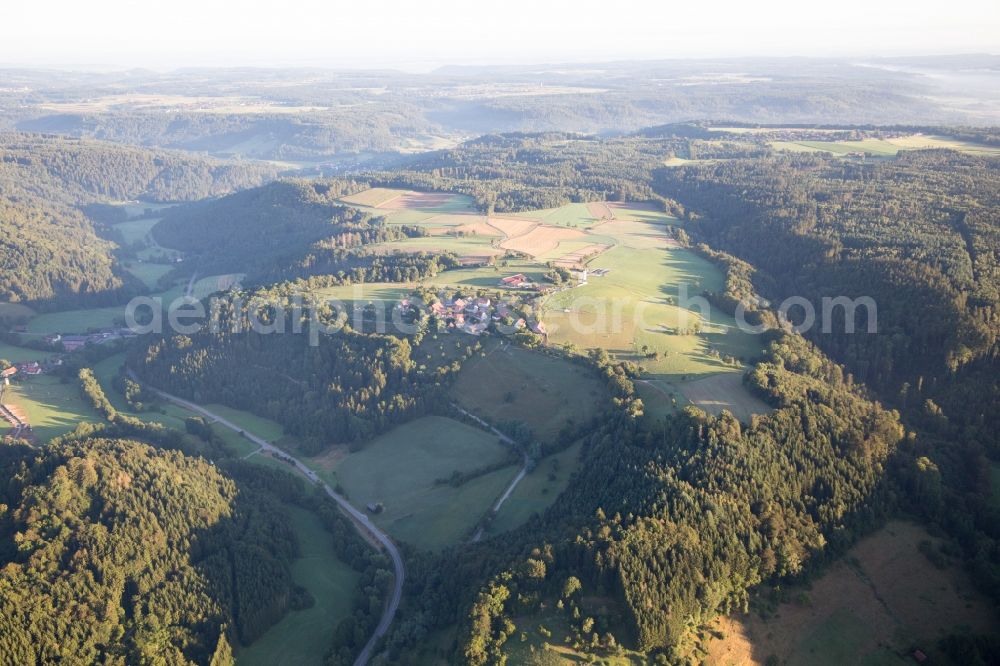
{"x": 517, "y": 172}
{"x": 76, "y": 171}
{"x": 51, "y": 253}
{"x": 115, "y": 552}
{"x": 346, "y": 388}
{"x": 291, "y": 229}
{"x": 677, "y": 523}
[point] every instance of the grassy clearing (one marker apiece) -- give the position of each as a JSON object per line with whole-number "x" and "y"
{"x": 240, "y": 446}
{"x": 543, "y": 639}
{"x": 464, "y": 246}
{"x": 258, "y": 425}
{"x": 399, "y": 468}
{"x": 538, "y": 489}
{"x": 510, "y": 383}
{"x": 15, "y": 311}
{"x": 20, "y": 354}
{"x": 303, "y": 637}
{"x": 52, "y": 408}
{"x": 723, "y": 392}
{"x": 874, "y": 605}
{"x": 163, "y": 413}
{"x": 81, "y": 321}
{"x": 149, "y": 273}
{"x": 136, "y": 231}
{"x": 207, "y": 286}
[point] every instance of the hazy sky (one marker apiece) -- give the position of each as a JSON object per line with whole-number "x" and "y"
{"x": 420, "y": 34}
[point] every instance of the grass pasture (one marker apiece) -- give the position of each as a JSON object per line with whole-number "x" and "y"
{"x": 15, "y": 311}
{"x": 148, "y": 272}
{"x": 20, "y": 354}
{"x": 303, "y": 637}
{"x": 716, "y": 393}
{"x": 640, "y": 302}
{"x": 871, "y": 607}
{"x": 136, "y": 231}
{"x": 511, "y": 383}
{"x": 399, "y": 468}
{"x": 52, "y": 408}
{"x": 258, "y": 425}
{"x": 537, "y": 490}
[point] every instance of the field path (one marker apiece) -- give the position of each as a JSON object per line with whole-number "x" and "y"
{"x": 359, "y": 519}
{"x": 517, "y": 479}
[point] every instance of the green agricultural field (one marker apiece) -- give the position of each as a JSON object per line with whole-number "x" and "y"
{"x": 571, "y": 215}
{"x": 258, "y": 425}
{"x": 20, "y": 354}
{"x": 239, "y": 446}
{"x": 508, "y": 383}
{"x": 80, "y": 321}
{"x": 399, "y": 468}
{"x": 140, "y": 208}
{"x": 52, "y": 408}
{"x": 135, "y": 231}
{"x": 303, "y": 637}
{"x": 212, "y": 284}
{"x": 537, "y": 490}
{"x": 463, "y": 246}
{"x": 76, "y": 321}
{"x": 15, "y": 311}
{"x": 487, "y": 277}
{"x": 149, "y": 273}
{"x": 638, "y": 304}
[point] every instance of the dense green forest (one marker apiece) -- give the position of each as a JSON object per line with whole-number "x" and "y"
{"x": 345, "y": 388}
{"x": 116, "y": 552}
{"x": 51, "y": 252}
{"x": 76, "y": 171}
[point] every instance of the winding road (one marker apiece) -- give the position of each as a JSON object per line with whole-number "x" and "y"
{"x": 360, "y": 520}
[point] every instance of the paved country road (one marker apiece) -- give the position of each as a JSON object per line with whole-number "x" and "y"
{"x": 361, "y": 521}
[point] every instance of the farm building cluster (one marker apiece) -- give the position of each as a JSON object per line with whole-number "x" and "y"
{"x": 71, "y": 343}
{"x": 475, "y": 315}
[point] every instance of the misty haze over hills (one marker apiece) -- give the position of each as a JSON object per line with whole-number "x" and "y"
{"x": 305, "y": 115}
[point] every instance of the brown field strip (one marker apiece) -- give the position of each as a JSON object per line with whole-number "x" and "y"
{"x": 600, "y": 210}
{"x": 540, "y": 240}
{"x": 511, "y": 227}
{"x": 581, "y": 255}
{"x": 416, "y": 200}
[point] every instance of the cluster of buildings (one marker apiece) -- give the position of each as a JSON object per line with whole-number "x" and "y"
{"x": 72, "y": 343}
{"x": 475, "y": 315}
{"x": 31, "y": 368}
{"x": 472, "y": 315}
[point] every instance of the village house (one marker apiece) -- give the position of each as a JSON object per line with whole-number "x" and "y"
{"x": 515, "y": 281}
{"x": 538, "y": 327}
{"x": 9, "y": 372}
{"x": 30, "y": 368}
